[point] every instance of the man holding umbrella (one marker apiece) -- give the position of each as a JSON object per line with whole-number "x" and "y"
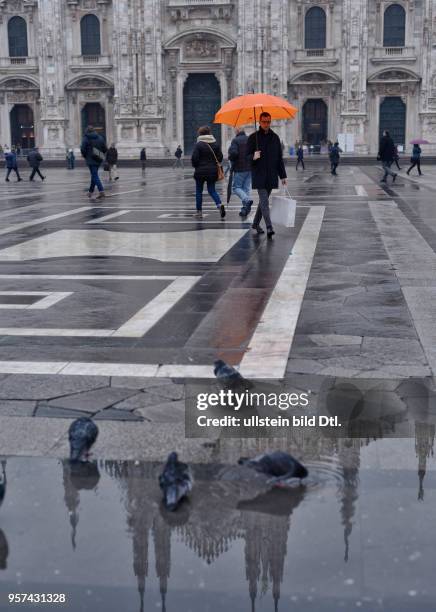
{"x": 264, "y": 151}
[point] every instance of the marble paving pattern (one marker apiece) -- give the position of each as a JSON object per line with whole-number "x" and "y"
{"x": 204, "y": 245}
{"x": 136, "y": 290}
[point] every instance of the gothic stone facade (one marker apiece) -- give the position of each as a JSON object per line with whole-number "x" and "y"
{"x": 136, "y": 80}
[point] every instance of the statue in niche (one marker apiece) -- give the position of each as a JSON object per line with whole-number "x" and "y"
{"x": 149, "y": 88}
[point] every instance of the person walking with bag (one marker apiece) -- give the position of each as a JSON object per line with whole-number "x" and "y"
{"x": 35, "y": 158}
{"x": 206, "y": 159}
{"x": 241, "y": 171}
{"x": 111, "y": 159}
{"x": 415, "y": 160}
{"x": 94, "y": 149}
{"x": 264, "y": 151}
{"x": 386, "y": 155}
{"x": 70, "y": 159}
{"x": 11, "y": 164}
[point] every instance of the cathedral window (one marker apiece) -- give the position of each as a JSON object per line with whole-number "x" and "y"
{"x": 394, "y": 26}
{"x": 17, "y": 36}
{"x": 90, "y": 35}
{"x": 315, "y": 28}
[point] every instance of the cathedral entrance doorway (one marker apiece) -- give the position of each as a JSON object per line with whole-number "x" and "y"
{"x": 201, "y": 100}
{"x": 22, "y": 127}
{"x": 314, "y": 122}
{"x": 93, "y": 114}
{"x": 393, "y": 119}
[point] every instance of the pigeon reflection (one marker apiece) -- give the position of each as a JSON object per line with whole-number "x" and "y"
{"x": 77, "y": 476}
{"x": 4, "y": 551}
{"x": 3, "y": 481}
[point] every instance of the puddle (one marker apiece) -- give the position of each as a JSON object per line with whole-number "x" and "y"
{"x": 359, "y": 533}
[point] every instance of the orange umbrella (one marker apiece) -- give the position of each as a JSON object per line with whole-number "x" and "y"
{"x": 246, "y": 109}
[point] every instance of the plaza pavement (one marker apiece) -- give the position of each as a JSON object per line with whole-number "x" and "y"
{"x": 106, "y": 307}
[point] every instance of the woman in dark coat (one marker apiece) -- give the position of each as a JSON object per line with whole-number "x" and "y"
{"x": 205, "y": 158}
{"x": 415, "y": 160}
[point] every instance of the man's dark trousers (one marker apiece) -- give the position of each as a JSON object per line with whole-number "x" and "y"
{"x": 35, "y": 171}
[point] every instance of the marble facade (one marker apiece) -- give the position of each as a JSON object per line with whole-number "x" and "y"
{"x": 150, "y": 47}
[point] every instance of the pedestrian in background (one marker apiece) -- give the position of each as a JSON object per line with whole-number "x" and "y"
{"x": 335, "y": 157}
{"x": 94, "y": 149}
{"x": 386, "y": 154}
{"x": 396, "y": 157}
{"x": 300, "y": 157}
{"x": 264, "y": 151}
{"x": 178, "y": 155}
{"x": 241, "y": 171}
{"x": 35, "y": 158}
{"x": 70, "y": 159}
{"x": 11, "y": 164}
{"x": 111, "y": 160}
{"x": 143, "y": 160}
{"x": 206, "y": 158}
{"x": 415, "y": 160}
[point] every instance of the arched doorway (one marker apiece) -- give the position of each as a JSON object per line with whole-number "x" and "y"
{"x": 22, "y": 127}
{"x": 314, "y": 122}
{"x": 393, "y": 119}
{"x": 201, "y": 100}
{"x": 93, "y": 114}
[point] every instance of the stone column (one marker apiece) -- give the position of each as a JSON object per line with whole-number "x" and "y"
{"x": 52, "y": 79}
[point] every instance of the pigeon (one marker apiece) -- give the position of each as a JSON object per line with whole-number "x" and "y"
{"x": 82, "y": 434}
{"x": 227, "y": 375}
{"x": 175, "y": 481}
{"x": 281, "y": 466}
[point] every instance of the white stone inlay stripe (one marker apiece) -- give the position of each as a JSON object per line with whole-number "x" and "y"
{"x": 361, "y": 191}
{"x": 51, "y": 297}
{"x": 111, "y": 216}
{"x": 148, "y": 316}
{"x": 18, "y": 226}
{"x": 56, "y": 331}
{"x": 78, "y": 368}
{"x": 208, "y": 245}
{"x": 85, "y": 277}
{"x": 268, "y": 351}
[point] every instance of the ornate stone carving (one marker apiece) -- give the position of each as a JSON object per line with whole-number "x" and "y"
{"x": 14, "y": 84}
{"x": 90, "y": 83}
{"x": 200, "y": 48}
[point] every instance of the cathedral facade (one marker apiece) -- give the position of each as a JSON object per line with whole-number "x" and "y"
{"x": 149, "y": 72}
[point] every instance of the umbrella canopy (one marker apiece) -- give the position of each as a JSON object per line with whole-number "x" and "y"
{"x": 246, "y": 109}
{"x": 419, "y": 141}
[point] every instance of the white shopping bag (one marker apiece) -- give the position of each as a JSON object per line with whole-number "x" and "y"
{"x": 283, "y": 209}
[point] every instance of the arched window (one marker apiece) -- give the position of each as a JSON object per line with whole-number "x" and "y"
{"x": 17, "y": 35}
{"x": 90, "y": 35}
{"x": 315, "y": 29}
{"x": 394, "y": 26}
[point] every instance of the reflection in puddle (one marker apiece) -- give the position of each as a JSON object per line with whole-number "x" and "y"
{"x": 100, "y": 533}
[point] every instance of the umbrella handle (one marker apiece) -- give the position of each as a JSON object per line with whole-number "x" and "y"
{"x": 255, "y": 128}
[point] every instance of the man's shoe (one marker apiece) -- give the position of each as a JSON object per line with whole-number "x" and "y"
{"x": 43, "y": 178}
{"x": 382, "y": 180}
{"x": 101, "y": 196}
{"x": 117, "y": 177}
{"x": 394, "y": 177}
{"x": 407, "y": 172}
{"x": 30, "y": 180}
{"x": 270, "y": 232}
{"x": 7, "y": 180}
{"x": 20, "y": 179}
{"x": 198, "y": 215}
{"x": 258, "y": 229}
{"x": 222, "y": 211}
{"x": 89, "y": 194}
